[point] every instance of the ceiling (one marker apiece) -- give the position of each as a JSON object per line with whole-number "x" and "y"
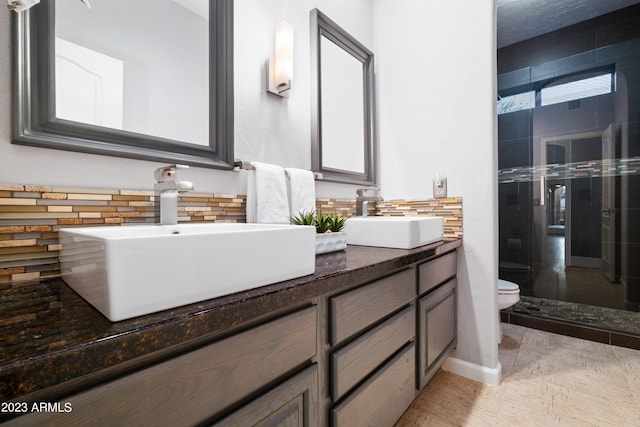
{"x": 520, "y": 20}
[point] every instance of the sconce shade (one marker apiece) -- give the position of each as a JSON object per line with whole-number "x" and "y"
{"x": 20, "y": 5}
{"x": 280, "y": 67}
{"x": 284, "y": 54}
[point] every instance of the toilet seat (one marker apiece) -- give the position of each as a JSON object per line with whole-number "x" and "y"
{"x": 507, "y": 288}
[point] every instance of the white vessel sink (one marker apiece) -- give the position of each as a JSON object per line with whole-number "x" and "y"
{"x": 130, "y": 271}
{"x": 403, "y": 232}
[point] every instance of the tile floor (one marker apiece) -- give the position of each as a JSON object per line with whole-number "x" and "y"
{"x": 548, "y": 380}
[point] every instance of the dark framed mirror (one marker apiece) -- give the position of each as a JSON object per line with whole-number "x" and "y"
{"x": 342, "y": 104}
{"x": 107, "y": 80}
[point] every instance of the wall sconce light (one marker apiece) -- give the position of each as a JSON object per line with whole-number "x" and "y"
{"x": 20, "y": 5}
{"x": 280, "y": 67}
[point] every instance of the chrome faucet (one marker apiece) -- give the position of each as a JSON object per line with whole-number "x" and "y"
{"x": 167, "y": 188}
{"x": 365, "y": 209}
{"x": 364, "y": 196}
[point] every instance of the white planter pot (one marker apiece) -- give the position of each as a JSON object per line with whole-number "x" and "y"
{"x": 330, "y": 242}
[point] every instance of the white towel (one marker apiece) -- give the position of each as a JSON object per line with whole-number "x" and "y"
{"x": 301, "y": 187}
{"x": 267, "y": 201}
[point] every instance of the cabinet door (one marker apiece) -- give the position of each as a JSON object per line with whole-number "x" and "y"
{"x": 291, "y": 404}
{"x": 437, "y": 329}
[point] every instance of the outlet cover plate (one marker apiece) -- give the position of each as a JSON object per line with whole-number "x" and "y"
{"x": 440, "y": 191}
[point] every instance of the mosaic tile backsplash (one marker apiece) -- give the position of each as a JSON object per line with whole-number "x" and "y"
{"x": 30, "y": 217}
{"x": 449, "y": 208}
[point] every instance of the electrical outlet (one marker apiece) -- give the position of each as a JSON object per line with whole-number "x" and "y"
{"x": 439, "y": 187}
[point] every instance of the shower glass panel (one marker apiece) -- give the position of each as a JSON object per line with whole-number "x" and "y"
{"x": 569, "y": 188}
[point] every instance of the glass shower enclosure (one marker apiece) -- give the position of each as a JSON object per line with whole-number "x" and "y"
{"x": 569, "y": 185}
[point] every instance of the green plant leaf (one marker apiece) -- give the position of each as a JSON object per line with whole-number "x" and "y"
{"x": 304, "y": 218}
{"x": 323, "y": 223}
{"x": 336, "y": 222}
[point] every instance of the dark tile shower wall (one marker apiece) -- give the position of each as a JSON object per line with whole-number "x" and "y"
{"x": 515, "y": 198}
{"x": 615, "y": 27}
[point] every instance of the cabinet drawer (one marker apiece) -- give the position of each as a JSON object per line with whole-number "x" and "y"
{"x": 437, "y": 328}
{"x": 292, "y": 403}
{"x": 191, "y": 388}
{"x": 355, "y": 310}
{"x": 355, "y": 361}
{"x": 435, "y": 272}
{"x": 384, "y": 397}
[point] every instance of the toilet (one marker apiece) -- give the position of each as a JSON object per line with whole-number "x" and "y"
{"x": 508, "y": 295}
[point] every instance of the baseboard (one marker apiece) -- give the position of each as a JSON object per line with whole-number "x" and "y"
{"x": 472, "y": 371}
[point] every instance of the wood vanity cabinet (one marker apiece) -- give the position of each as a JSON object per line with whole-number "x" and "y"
{"x": 388, "y": 338}
{"x": 354, "y": 358}
{"x": 372, "y": 365}
{"x": 196, "y": 387}
{"x": 436, "y": 314}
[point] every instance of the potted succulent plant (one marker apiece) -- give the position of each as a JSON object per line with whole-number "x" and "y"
{"x": 329, "y": 234}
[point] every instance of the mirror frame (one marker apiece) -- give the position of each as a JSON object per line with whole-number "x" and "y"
{"x": 35, "y": 123}
{"x": 322, "y": 26}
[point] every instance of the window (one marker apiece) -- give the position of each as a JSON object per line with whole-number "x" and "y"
{"x": 517, "y": 102}
{"x": 577, "y": 89}
{"x": 565, "y": 89}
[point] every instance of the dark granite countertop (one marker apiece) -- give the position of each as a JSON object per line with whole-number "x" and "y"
{"x": 52, "y": 342}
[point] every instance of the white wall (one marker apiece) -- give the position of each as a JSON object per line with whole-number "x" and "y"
{"x": 267, "y": 128}
{"x": 436, "y": 102}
